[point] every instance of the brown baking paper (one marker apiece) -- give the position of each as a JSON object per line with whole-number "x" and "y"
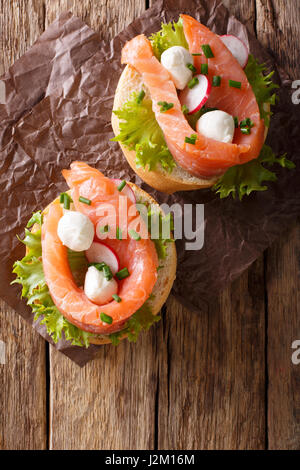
{"x": 73, "y": 122}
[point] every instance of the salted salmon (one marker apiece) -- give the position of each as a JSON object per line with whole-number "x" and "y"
{"x": 139, "y": 257}
{"x": 237, "y": 102}
{"x": 208, "y": 157}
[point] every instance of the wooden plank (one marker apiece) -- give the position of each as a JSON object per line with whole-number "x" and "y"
{"x": 23, "y": 385}
{"x": 108, "y": 17}
{"x": 211, "y": 371}
{"x": 211, "y": 366}
{"x": 23, "y": 381}
{"x": 278, "y": 27}
{"x": 109, "y": 404}
{"x": 283, "y": 284}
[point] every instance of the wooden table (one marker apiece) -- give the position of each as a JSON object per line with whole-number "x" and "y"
{"x": 220, "y": 380}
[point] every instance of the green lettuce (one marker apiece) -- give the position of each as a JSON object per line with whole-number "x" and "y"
{"x": 140, "y": 131}
{"x": 142, "y": 319}
{"x": 262, "y": 86}
{"x": 30, "y": 276}
{"x": 241, "y": 180}
{"x": 171, "y": 34}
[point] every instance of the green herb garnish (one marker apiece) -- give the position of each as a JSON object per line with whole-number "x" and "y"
{"x": 122, "y": 274}
{"x": 106, "y": 318}
{"x": 207, "y": 51}
{"x": 84, "y": 200}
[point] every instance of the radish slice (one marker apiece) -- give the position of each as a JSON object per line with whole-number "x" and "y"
{"x": 126, "y": 191}
{"x": 196, "y": 97}
{"x": 237, "y": 47}
{"x": 100, "y": 253}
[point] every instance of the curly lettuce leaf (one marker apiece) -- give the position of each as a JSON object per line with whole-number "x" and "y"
{"x": 142, "y": 319}
{"x": 140, "y": 131}
{"x": 242, "y": 180}
{"x": 156, "y": 218}
{"x": 30, "y": 276}
{"x": 262, "y": 86}
{"x": 171, "y": 34}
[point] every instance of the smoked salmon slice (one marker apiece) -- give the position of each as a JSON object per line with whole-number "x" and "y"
{"x": 208, "y": 157}
{"x": 237, "y": 102}
{"x": 138, "y": 256}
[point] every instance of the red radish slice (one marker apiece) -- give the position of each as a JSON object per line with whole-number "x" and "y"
{"x": 126, "y": 191}
{"x": 196, "y": 97}
{"x": 237, "y": 47}
{"x": 101, "y": 253}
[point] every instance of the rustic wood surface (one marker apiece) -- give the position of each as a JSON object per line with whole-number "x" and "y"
{"x": 220, "y": 380}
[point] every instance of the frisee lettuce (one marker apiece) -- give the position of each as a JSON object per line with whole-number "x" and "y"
{"x": 142, "y": 319}
{"x": 30, "y": 276}
{"x": 140, "y": 131}
{"x": 241, "y": 180}
{"x": 171, "y": 34}
{"x": 262, "y": 86}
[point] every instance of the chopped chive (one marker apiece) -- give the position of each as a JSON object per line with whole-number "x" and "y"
{"x": 164, "y": 106}
{"x": 204, "y": 69}
{"x": 119, "y": 233}
{"x": 107, "y": 272}
{"x": 191, "y": 67}
{"x": 140, "y": 96}
{"x": 245, "y": 130}
{"x": 197, "y": 53}
{"x": 106, "y": 318}
{"x": 98, "y": 266}
{"x": 117, "y": 298}
{"x": 104, "y": 229}
{"x": 84, "y": 200}
{"x": 207, "y": 51}
{"x": 121, "y": 186}
{"x": 67, "y": 201}
{"x": 216, "y": 81}
{"x": 134, "y": 235}
{"x": 236, "y": 121}
{"x": 184, "y": 109}
{"x": 191, "y": 140}
{"x": 247, "y": 123}
{"x": 193, "y": 82}
{"x": 235, "y": 84}
{"x": 122, "y": 274}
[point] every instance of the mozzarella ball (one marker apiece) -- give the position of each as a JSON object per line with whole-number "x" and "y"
{"x": 76, "y": 231}
{"x": 97, "y": 288}
{"x": 175, "y": 60}
{"x": 216, "y": 125}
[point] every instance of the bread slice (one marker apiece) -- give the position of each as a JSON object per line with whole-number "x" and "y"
{"x": 166, "y": 274}
{"x": 179, "y": 180}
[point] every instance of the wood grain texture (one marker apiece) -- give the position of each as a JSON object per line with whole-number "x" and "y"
{"x": 21, "y": 22}
{"x": 278, "y": 24}
{"x": 283, "y": 287}
{"x": 22, "y": 385}
{"x": 211, "y": 371}
{"x": 278, "y": 28}
{"x": 22, "y": 378}
{"x": 108, "y": 17}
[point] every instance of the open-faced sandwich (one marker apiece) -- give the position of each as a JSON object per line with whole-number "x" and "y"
{"x": 192, "y": 109}
{"x": 92, "y": 270}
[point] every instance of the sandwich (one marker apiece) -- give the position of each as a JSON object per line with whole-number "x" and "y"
{"x": 192, "y": 111}
{"x": 95, "y": 271}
